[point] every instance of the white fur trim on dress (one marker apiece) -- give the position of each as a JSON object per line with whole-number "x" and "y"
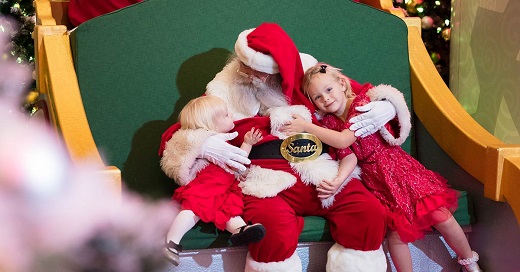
{"x": 181, "y": 157}
{"x": 280, "y": 116}
{"x": 341, "y": 259}
{"x": 291, "y": 264}
{"x": 323, "y": 168}
{"x": 381, "y": 92}
{"x": 261, "y": 182}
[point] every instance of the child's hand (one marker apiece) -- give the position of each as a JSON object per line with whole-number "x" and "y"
{"x": 297, "y": 125}
{"x": 242, "y": 175}
{"x": 328, "y": 188}
{"x": 253, "y": 136}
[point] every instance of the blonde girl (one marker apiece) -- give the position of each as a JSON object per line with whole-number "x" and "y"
{"x": 212, "y": 195}
{"x": 415, "y": 198}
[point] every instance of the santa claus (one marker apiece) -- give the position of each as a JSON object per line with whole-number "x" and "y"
{"x": 261, "y": 86}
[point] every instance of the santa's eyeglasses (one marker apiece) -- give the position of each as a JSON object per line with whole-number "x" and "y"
{"x": 250, "y": 73}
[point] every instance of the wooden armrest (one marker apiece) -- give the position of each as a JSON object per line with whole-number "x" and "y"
{"x": 482, "y": 155}
{"x": 57, "y": 84}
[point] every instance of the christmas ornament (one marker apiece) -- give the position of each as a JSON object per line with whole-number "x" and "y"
{"x": 427, "y": 22}
{"x": 411, "y": 7}
{"x": 446, "y": 34}
{"x": 436, "y": 57}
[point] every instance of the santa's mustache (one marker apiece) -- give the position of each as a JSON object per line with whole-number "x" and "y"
{"x": 268, "y": 93}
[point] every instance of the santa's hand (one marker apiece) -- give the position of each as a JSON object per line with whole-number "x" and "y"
{"x": 223, "y": 154}
{"x": 375, "y": 115}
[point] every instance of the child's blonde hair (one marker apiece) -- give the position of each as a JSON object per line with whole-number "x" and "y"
{"x": 324, "y": 68}
{"x": 201, "y": 112}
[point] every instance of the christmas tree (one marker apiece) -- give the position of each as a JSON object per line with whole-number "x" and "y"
{"x": 436, "y": 29}
{"x": 20, "y": 28}
{"x": 17, "y": 20}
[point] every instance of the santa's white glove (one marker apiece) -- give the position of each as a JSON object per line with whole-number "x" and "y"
{"x": 375, "y": 115}
{"x": 223, "y": 154}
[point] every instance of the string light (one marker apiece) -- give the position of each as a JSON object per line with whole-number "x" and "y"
{"x": 436, "y": 29}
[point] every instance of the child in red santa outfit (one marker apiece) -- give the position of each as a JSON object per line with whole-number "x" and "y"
{"x": 207, "y": 192}
{"x": 415, "y": 197}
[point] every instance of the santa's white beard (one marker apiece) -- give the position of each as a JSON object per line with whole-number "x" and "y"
{"x": 268, "y": 93}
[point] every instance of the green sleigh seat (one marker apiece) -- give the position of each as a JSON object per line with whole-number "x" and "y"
{"x": 138, "y": 66}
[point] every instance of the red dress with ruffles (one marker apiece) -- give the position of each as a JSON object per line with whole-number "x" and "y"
{"x": 415, "y": 198}
{"x": 213, "y": 195}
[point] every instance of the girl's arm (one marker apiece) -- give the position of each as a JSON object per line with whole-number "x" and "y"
{"x": 331, "y": 137}
{"x": 328, "y": 188}
{"x": 346, "y": 167}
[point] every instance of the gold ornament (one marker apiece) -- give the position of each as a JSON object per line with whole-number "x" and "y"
{"x": 446, "y": 34}
{"x": 411, "y": 7}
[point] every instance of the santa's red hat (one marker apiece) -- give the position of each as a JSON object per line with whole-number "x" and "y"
{"x": 260, "y": 61}
{"x": 269, "y": 49}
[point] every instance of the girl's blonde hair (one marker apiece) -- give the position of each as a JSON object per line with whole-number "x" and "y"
{"x": 201, "y": 112}
{"x": 324, "y": 68}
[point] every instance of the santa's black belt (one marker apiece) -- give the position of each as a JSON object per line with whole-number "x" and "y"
{"x": 271, "y": 150}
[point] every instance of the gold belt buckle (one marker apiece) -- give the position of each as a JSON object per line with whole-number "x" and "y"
{"x": 301, "y": 147}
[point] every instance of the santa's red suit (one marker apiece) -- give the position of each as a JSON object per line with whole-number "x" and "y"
{"x": 277, "y": 193}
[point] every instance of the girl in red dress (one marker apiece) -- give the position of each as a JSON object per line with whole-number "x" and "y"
{"x": 416, "y": 198}
{"x": 210, "y": 193}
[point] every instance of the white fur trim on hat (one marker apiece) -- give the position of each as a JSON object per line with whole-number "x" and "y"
{"x": 252, "y": 58}
{"x": 341, "y": 259}
{"x": 291, "y": 264}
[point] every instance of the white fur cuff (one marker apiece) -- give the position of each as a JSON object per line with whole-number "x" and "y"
{"x": 261, "y": 182}
{"x": 327, "y": 202}
{"x": 344, "y": 259}
{"x": 181, "y": 157}
{"x": 395, "y": 97}
{"x": 280, "y": 116}
{"x": 291, "y": 264}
